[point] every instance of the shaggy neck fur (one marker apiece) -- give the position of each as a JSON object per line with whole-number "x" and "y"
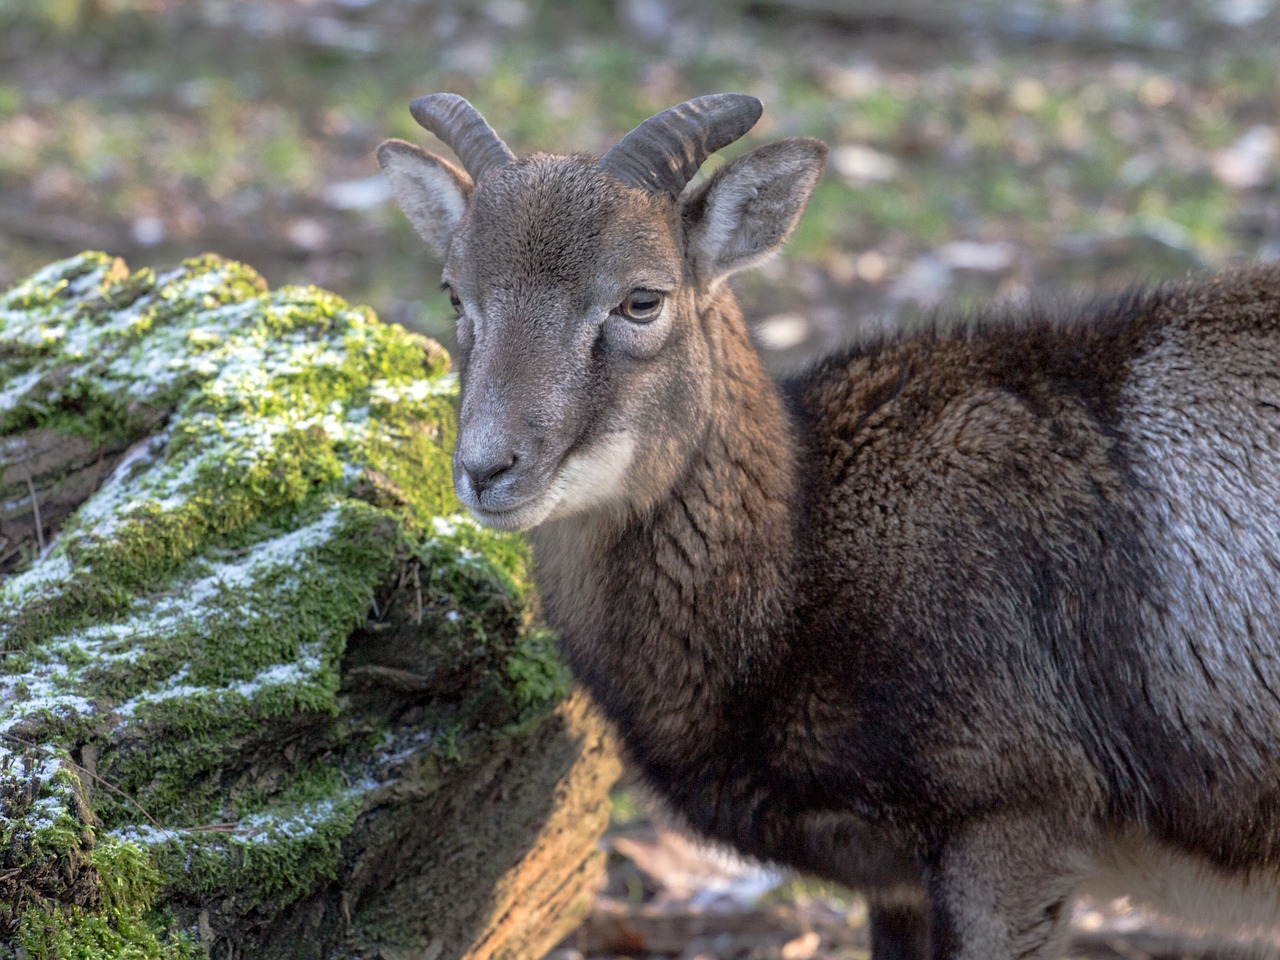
{"x": 671, "y": 617}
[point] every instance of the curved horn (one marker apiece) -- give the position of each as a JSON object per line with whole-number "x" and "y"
{"x": 460, "y": 125}
{"x": 663, "y": 153}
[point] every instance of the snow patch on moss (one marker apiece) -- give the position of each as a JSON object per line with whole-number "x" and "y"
{"x": 289, "y": 456}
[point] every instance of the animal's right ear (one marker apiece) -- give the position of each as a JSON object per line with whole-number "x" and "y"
{"x": 431, "y": 191}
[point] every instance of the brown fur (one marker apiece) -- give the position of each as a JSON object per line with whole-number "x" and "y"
{"x": 966, "y": 618}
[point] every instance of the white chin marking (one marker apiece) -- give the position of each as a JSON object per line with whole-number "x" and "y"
{"x": 587, "y": 479}
{"x": 593, "y": 477}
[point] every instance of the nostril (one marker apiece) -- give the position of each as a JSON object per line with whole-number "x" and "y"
{"x": 484, "y": 474}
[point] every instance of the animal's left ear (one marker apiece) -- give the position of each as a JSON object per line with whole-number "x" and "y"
{"x": 747, "y": 210}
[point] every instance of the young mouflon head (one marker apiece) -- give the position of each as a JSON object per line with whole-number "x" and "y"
{"x": 588, "y": 348}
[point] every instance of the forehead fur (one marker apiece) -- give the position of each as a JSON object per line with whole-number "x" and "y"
{"x": 558, "y": 218}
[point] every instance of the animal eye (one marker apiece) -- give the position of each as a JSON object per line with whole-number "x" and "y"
{"x": 642, "y": 306}
{"x": 454, "y": 300}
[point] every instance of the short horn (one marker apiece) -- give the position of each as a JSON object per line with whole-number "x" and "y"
{"x": 663, "y": 153}
{"x": 460, "y": 125}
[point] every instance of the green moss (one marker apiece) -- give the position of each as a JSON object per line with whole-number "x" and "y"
{"x": 191, "y": 622}
{"x": 536, "y": 669}
{"x": 65, "y": 892}
{"x": 280, "y": 398}
{"x": 273, "y": 856}
{"x": 43, "y": 819}
{"x": 122, "y": 927}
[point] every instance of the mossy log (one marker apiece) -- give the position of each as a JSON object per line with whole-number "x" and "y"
{"x": 264, "y": 691}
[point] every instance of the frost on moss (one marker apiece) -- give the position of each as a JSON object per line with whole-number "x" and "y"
{"x": 65, "y": 892}
{"x": 224, "y": 635}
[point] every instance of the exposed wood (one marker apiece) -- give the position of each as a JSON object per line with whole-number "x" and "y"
{"x": 45, "y": 474}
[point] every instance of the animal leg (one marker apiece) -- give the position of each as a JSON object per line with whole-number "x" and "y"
{"x": 899, "y": 930}
{"x": 1001, "y": 890}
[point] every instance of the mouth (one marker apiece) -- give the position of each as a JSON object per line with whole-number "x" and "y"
{"x": 586, "y": 479}
{"x": 516, "y": 519}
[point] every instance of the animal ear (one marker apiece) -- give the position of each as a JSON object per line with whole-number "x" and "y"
{"x": 749, "y": 207}
{"x": 431, "y": 191}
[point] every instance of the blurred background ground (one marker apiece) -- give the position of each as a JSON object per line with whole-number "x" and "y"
{"x": 981, "y": 150}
